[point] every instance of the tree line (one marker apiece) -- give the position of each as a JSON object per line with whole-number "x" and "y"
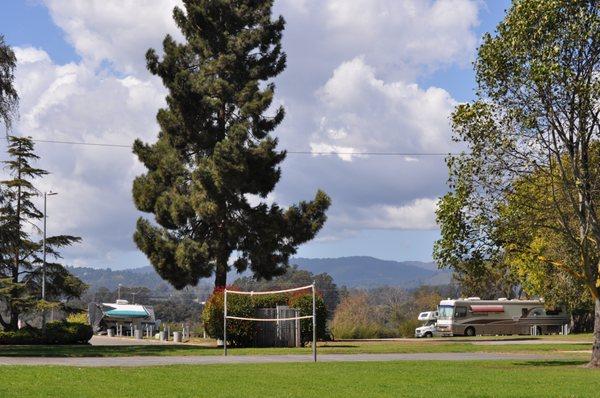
{"x": 522, "y": 216}
{"x": 28, "y": 264}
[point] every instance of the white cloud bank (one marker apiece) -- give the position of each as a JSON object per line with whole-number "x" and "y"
{"x": 350, "y": 87}
{"x": 117, "y": 32}
{"x": 365, "y": 114}
{"x": 75, "y": 102}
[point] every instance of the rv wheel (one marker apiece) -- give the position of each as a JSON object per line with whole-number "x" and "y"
{"x": 428, "y": 334}
{"x": 470, "y": 331}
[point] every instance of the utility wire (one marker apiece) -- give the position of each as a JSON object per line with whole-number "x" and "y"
{"x": 320, "y": 153}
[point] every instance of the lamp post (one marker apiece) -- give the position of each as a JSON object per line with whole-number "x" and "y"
{"x": 46, "y": 194}
{"x": 119, "y": 292}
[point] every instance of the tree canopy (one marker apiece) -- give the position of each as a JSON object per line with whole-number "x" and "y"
{"x": 528, "y": 184}
{"x": 8, "y": 95}
{"x": 20, "y": 253}
{"x": 215, "y": 160}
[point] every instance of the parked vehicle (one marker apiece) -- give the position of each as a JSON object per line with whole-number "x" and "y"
{"x": 473, "y": 316}
{"x": 427, "y": 329}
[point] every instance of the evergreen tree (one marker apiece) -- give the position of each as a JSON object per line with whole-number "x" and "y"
{"x": 8, "y": 94}
{"x": 214, "y": 149}
{"x": 20, "y": 255}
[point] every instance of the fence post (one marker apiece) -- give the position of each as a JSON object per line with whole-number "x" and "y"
{"x": 314, "y": 319}
{"x": 225, "y": 323}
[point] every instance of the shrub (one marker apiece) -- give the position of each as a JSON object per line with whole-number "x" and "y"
{"x": 407, "y": 328}
{"x": 354, "y": 319}
{"x": 54, "y": 333}
{"x": 240, "y": 333}
{"x": 78, "y": 317}
{"x": 303, "y": 302}
{"x": 68, "y": 333}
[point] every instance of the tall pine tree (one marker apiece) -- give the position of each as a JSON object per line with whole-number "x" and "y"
{"x": 214, "y": 149}
{"x": 8, "y": 94}
{"x": 20, "y": 254}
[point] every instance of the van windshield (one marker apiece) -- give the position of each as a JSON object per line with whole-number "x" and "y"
{"x": 445, "y": 311}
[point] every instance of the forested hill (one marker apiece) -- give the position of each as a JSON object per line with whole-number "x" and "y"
{"x": 366, "y": 272}
{"x": 349, "y": 271}
{"x": 110, "y": 279}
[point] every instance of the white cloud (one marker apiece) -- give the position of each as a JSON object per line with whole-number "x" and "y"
{"x": 118, "y": 32}
{"x": 418, "y": 214}
{"x": 345, "y": 153}
{"x": 75, "y": 102}
{"x": 361, "y": 58}
{"x": 401, "y": 37}
{"x": 378, "y": 116}
{"x": 415, "y": 32}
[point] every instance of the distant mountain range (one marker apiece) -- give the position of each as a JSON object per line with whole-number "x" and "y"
{"x": 366, "y": 272}
{"x": 110, "y": 279}
{"x": 359, "y": 271}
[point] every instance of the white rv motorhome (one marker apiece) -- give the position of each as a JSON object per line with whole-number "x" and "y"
{"x": 427, "y": 329}
{"x": 473, "y": 316}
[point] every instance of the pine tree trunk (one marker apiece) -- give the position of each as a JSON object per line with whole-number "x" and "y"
{"x": 221, "y": 269}
{"x": 14, "y": 313}
{"x": 595, "y": 361}
{"x": 14, "y": 320}
{"x": 221, "y": 276}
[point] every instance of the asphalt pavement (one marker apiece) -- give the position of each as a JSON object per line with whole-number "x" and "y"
{"x": 212, "y": 360}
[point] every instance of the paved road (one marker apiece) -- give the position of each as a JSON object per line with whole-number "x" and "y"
{"x": 105, "y": 340}
{"x": 525, "y": 342}
{"x": 210, "y": 360}
{"x": 128, "y": 341}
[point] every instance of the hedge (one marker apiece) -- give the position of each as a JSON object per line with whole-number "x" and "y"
{"x": 241, "y": 333}
{"x": 55, "y": 333}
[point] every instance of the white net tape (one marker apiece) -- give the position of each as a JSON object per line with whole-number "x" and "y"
{"x": 296, "y": 318}
{"x": 269, "y": 292}
{"x": 269, "y": 319}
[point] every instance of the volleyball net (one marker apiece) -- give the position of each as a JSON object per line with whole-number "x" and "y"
{"x": 226, "y": 316}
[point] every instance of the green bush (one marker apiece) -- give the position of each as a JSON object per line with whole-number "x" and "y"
{"x": 78, "y": 317}
{"x": 356, "y": 331}
{"x": 407, "y": 328}
{"x": 241, "y": 333}
{"x": 21, "y": 337}
{"x": 355, "y": 319}
{"x": 304, "y": 304}
{"x": 54, "y": 333}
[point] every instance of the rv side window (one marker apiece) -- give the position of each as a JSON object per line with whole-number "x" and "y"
{"x": 537, "y": 312}
{"x": 460, "y": 312}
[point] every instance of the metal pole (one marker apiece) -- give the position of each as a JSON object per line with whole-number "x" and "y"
{"x": 225, "y": 323}
{"x": 44, "y": 250}
{"x": 44, "y": 264}
{"x": 314, "y": 347}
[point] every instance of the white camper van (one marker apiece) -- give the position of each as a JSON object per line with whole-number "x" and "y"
{"x": 427, "y": 329}
{"x": 473, "y": 316}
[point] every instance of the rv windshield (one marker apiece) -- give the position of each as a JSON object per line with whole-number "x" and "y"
{"x": 445, "y": 311}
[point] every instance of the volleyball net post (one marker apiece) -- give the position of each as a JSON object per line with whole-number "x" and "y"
{"x": 226, "y": 316}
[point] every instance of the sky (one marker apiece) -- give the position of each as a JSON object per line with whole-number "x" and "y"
{"x": 362, "y": 76}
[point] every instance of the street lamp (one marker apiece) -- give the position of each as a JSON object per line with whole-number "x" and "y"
{"x": 46, "y": 194}
{"x": 119, "y": 292}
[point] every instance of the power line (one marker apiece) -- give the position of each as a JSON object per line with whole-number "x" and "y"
{"x": 320, "y": 153}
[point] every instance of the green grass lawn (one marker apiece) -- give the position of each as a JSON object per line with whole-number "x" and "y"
{"x": 359, "y": 379}
{"x": 354, "y": 347}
